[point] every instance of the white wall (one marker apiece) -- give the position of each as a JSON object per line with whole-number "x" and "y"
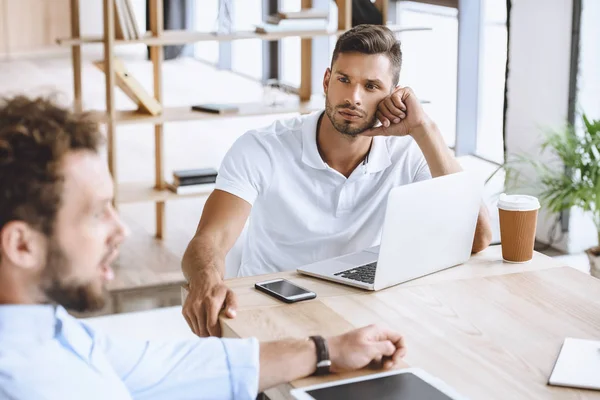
{"x": 582, "y": 232}
{"x": 588, "y": 94}
{"x": 538, "y": 81}
{"x": 538, "y": 88}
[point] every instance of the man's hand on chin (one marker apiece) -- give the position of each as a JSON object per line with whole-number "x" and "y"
{"x": 400, "y": 114}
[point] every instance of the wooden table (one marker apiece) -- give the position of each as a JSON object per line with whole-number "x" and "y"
{"x": 491, "y": 330}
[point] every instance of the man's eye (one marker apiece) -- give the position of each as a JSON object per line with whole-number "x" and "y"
{"x": 342, "y": 79}
{"x": 370, "y": 86}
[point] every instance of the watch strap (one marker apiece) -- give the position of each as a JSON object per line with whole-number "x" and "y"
{"x": 323, "y": 361}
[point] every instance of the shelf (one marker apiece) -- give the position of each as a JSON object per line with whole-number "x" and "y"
{"x": 128, "y": 193}
{"x": 175, "y": 37}
{"x": 186, "y": 114}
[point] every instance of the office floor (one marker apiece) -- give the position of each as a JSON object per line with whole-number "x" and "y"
{"x": 188, "y": 145}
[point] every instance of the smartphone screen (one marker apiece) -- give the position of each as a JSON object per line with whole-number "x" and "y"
{"x": 284, "y": 288}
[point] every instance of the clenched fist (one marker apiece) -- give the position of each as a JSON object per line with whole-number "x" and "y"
{"x": 400, "y": 114}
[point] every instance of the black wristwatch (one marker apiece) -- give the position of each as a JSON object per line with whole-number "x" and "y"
{"x": 323, "y": 361}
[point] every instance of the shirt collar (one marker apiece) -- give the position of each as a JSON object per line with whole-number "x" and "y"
{"x": 35, "y": 321}
{"x": 377, "y": 160}
{"x": 379, "y": 155}
{"x": 310, "y": 152}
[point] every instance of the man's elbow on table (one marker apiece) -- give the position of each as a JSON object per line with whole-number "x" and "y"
{"x": 480, "y": 244}
{"x": 483, "y": 232}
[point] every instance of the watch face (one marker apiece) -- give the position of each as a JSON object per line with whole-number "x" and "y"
{"x": 323, "y": 367}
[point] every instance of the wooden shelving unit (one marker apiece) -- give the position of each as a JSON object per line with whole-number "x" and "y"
{"x": 174, "y": 114}
{"x": 156, "y": 38}
{"x": 128, "y": 193}
{"x": 176, "y": 37}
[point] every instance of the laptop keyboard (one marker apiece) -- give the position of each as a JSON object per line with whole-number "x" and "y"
{"x": 364, "y": 273}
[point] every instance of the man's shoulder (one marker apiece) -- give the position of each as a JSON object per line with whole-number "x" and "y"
{"x": 282, "y": 132}
{"x": 30, "y": 372}
{"x": 23, "y": 370}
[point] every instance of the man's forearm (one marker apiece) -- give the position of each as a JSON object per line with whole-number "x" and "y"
{"x": 202, "y": 253}
{"x": 285, "y": 361}
{"x": 437, "y": 154}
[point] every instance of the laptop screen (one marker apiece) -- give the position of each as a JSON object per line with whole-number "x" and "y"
{"x": 405, "y": 386}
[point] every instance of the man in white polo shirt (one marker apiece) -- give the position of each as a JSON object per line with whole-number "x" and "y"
{"x": 315, "y": 186}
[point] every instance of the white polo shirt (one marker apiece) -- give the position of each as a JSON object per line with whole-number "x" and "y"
{"x": 303, "y": 210}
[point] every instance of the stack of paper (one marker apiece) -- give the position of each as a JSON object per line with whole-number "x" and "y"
{"x": 578, "y": 365}
{"x": 304, "y": 20}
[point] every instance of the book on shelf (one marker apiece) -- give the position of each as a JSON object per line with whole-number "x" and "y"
{"x": 191, "y": 189}
{"x": 126, "y": 27}
{"x": 289, "y": 25}
{"x": 132, "y": 21}
{"x": 187, "y": 177}
{"x": 307, "y": 13}
{"x": 215, "y": 108}
{"x": 121, "y": 31}
{"x": 304, "y": 20}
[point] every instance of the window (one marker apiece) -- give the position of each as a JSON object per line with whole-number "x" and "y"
{"x": 490, "y": 141}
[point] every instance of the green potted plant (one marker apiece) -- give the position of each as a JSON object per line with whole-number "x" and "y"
{"x": 579, "y": 153}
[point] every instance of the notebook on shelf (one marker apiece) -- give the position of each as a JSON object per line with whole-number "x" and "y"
{"x": 187, "y": 177}
{"x": 307, "y": 13}
{"x": 215, "y": 108}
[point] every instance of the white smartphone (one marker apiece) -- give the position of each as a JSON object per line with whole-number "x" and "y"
{"x": 285, "y": 290}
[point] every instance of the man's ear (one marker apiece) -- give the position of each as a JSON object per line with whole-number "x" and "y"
{"x": 22, "y": 245}
{"x": 326, "y": 78}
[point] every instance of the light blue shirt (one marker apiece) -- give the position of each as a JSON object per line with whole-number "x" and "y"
{"x": 47, "y": 354}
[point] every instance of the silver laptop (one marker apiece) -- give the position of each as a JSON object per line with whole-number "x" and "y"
{"x": 429, "y": 226}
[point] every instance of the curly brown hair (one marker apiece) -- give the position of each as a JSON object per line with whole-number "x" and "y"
{"x": 35, "y": 135}
{"x": 371, "y": 39}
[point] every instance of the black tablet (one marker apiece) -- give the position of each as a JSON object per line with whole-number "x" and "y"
{"x": 404, "y": 384}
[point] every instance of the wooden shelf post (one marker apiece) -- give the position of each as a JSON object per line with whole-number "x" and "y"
{"x": 305, "y": 90}
{"x": 109, "y": 42}
{"x": 76, "y": 57}
{"x": 344, "y": 14}
{"x": 156, "y": 55}
{"x": 382, "y": 6}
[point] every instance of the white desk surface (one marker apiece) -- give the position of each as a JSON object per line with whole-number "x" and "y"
{"x": 159, "y": 324}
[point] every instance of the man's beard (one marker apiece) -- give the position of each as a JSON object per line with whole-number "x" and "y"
{"x": 74, "y": 296}
{"x": 344, "y": 127}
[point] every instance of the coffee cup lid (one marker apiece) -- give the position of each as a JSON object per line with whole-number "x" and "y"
{"x": 518, "y": 202}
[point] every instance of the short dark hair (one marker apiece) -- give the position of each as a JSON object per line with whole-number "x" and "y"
{"x": 35, "y": 135}
{"x": 371, "y": 39}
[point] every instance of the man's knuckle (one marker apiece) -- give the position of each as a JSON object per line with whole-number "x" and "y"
{"x": 197, "y": 305}
{"x": 209, "y": 304}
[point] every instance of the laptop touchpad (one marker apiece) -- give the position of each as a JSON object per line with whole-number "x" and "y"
{"x": 357, "y": 259}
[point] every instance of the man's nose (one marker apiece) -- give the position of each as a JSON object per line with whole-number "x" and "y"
{"x": 354, "y": 96}
{"x": 121, "y": 229}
